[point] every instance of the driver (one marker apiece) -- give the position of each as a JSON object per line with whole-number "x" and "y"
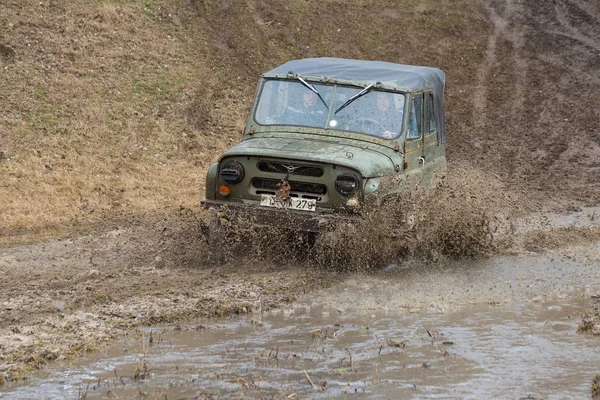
{"x": 388, "y": 117}
{"x": 308, "y": 113}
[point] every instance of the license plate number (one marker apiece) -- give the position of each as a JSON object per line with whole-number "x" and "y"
{"x": 292, "y": 203}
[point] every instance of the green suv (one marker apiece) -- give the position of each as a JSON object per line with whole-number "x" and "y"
{"x": 328, "y": 137}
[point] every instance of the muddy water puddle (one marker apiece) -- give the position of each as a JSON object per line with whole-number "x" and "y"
{"x": 483, "y": 351}
{"x": 499, "y": 328}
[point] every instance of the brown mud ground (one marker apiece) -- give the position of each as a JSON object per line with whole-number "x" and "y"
{"x": 111, "y": 114}
{"x": 62, "y": 297}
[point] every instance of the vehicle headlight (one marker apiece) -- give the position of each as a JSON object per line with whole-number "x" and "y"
{"x": 346, "y": 184}
{"x": 232, "y": 172}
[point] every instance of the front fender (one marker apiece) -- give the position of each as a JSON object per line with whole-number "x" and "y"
{"x": 371, "y": 191}
{"x": 211, "y": 182}
{"x": 377, "y": 189}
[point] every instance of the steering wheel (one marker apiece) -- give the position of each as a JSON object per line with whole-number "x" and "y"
{"x": 366, "y": 125}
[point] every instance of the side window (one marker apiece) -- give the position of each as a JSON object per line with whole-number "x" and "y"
{"x": 416, "y": 114}
{"x": 426, "y": 114}
{"x": 430, "y": 106}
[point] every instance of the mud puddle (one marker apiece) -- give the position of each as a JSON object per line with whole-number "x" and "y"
{"x": 503, "y": 328}
{"x": 481, "y": 351}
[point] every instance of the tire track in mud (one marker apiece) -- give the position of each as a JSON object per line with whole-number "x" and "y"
{"x": 505, "y": 29}
{"x": 504, "y": 72}
{"x": 592, "y": 9}
{"x": 480, "y": 95}
{"x": 535, "y": 102}
{"x": 567, "y": 67}
{"x": 562, "y": 14}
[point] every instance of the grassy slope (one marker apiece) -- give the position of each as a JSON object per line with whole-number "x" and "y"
{"x": 113, "y": 106}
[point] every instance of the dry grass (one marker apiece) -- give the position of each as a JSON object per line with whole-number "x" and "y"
{"x": 141, "y": 368}
{"x": 95, "y": 120}
{"x": 589, "y": 324}
{"x": 121, "y": 105}
{"x": 596, "y": 387}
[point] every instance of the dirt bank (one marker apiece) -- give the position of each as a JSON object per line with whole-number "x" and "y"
{"x": 120, "y": 107}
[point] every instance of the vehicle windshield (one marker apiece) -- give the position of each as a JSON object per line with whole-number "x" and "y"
{"x": 376, "y": 113}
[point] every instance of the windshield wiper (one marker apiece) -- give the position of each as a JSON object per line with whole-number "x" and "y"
{"x": 312, "y": 88}
{"x": 356, "y": 96}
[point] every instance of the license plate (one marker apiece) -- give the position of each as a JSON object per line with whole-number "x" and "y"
{"x": 292, "y": 203}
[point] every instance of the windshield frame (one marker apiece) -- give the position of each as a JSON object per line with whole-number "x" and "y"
{"x": 327, "y": 127}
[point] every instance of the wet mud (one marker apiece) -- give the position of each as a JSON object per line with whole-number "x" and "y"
{"x": 409, "y": 332}
{"x": 75, "y": 295}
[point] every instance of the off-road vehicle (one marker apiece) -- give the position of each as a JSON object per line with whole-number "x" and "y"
{"x": 328, "y": 137}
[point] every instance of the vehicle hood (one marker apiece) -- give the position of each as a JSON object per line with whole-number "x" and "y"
{"x": 365, "y": 158}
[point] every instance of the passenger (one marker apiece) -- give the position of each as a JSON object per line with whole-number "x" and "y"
{"x": 389, "y": 119}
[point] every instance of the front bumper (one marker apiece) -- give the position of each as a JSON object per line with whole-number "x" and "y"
{"x": 278, "y": 218}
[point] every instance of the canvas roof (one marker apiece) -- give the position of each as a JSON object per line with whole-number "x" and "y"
{"x": 392, "y": 76}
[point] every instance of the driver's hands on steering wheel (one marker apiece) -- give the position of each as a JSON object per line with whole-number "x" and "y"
{"x": 363, "y": 123}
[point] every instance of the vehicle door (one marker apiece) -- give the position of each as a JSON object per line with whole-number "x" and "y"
{"x": 433, "y": 152}
{"x": 414, "y": 146}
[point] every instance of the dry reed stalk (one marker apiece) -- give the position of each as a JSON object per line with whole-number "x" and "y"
{"x": 310, "y": 380}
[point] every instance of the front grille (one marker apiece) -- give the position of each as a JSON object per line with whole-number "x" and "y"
{"x": 290, "y": 168}
{"x": 303, "y": 187}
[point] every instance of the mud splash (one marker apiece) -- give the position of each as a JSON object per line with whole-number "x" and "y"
{"x": 448, "y": 221}
{"x": 456, "y": 219}
{"x": 470, "y": 214}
